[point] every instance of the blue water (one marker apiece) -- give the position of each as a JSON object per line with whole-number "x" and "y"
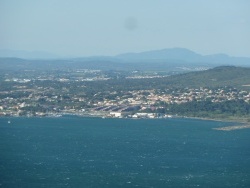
{"x": 95, "y": 152}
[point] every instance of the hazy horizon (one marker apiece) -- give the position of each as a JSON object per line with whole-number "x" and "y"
{"x": 24, "y": 54}
{"x": 96, "y": 28}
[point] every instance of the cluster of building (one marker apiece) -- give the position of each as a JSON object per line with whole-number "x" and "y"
{"x": 153, "y": 99}
{"x": 44, "y": 101}
{"x": 201, "y": 94}
{"x": 35, "y": 93}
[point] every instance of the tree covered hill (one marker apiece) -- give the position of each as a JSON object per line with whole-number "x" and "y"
{"x": 238, "y": 77}
{"x": 219, "y": 76}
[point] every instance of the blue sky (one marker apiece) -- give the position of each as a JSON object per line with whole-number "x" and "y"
{"x": 110, "y": 27}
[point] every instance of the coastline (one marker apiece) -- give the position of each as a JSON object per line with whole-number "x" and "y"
{"x": 231, "y": 128}
{"x": 238, "y": 123}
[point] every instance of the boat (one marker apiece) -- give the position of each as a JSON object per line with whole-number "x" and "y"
{"x": 9, "y": 122}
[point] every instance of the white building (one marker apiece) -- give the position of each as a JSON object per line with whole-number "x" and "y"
{"x": 116, "y": 114}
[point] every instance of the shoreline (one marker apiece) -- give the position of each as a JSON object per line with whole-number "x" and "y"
{"x": 231, "y": 128}
{"x": 238, "y": 124}
{"x": 105, "y": 115}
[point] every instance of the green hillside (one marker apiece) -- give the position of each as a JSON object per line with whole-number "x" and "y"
{"x": 238, "y": 77}
{"x": 219, "y": 76}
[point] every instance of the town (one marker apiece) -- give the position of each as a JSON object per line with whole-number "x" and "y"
{"x": 57, "y": 93}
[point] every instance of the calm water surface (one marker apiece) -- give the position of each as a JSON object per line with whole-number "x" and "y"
{"x": 94, "y": 152}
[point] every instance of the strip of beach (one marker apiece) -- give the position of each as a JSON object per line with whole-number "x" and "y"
{"x": 241, "y": 124}
{"x": 231, "y": 128}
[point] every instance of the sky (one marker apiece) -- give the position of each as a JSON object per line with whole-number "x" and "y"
{"x": 111, "y": 27}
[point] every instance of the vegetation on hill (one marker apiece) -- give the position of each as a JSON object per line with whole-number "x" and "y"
{"x": 206, "y": 109}
{"x": 237, "y": 77}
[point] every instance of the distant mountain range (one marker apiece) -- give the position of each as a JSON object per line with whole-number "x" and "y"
{"x": 185, "y": 55}
{"x": 171, "y": 53}
{"x": 27, "y": 54}
{"x": 150, "y": 60}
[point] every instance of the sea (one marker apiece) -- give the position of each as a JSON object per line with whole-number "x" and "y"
{"x": 93, "y": 152}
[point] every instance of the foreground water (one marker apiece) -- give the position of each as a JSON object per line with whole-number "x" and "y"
{"x": 95, "y": 152}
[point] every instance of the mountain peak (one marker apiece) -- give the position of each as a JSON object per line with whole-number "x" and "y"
{"x": 168, "y": 53}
